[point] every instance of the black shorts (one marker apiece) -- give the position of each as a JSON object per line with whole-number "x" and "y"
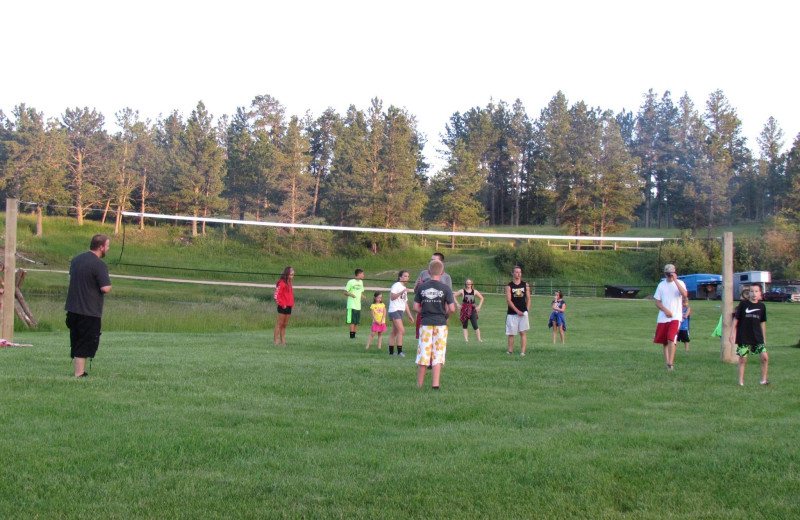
{"x": 84, "y": 335}
{"x": 683, "y": 336}
{"x": 285, "y": 310}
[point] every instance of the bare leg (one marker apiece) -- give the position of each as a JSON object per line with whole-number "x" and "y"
{"x": 80, "y": 366}
{"x": 421, "y": 369}
{"x": 561, "y": 330}
{"x": 478, "y": 334}
{"x": 437, "y": 371}
{"x": 466, "y": 335}
{"x": 523, "y": 341}
{"x": 369, "y": 340}
{"x": 380, "y": 339}
{"x": 764, "y": 366}
{"x": 510, "y": 344}
{"x": 742, "y": 363}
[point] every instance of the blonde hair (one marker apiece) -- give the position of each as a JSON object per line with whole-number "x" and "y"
{"x": 436, "y": 267}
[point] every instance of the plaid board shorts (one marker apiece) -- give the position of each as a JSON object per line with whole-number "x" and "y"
{"x": 432, "y": 345}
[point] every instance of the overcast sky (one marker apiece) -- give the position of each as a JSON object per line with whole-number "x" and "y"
{"x": 431, "y": 57}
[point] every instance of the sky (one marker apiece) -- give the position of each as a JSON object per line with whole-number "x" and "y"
{"x": 433, "y": 58}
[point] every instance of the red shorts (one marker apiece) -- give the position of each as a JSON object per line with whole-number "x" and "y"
{"x": 667, "y": 332}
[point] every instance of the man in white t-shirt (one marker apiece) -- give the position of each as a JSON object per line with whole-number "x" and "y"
{"x": 668, "y": 298}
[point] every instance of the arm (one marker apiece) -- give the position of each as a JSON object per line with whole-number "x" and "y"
{"x": 764, "y": 331}
{"x": 528, "y": 296}
{"x": 451, "y": 308}
{"x": 408, "y": 311}
{"x": 563, "y": 306}
{"x": 733, "y": 331}
{"x": 508, "y": 300}
{"x": 105, "y": 289}
{"x": 456, "y": 294}
{"x": 480, "y": 297}
{"x": 417, "y": 307}
{"x": 663, "y": 309}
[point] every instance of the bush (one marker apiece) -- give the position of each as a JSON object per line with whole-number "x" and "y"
{"x": 536, "y": 258}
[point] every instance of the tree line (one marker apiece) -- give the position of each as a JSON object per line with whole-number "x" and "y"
{"x": 587, "y": 169}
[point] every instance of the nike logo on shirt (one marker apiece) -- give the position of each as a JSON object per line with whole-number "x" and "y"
{"x": 748, "y": 311}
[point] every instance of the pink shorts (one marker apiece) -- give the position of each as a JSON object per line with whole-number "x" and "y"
{"x": 667, "y": 332}
{"x": 378, "y": 327}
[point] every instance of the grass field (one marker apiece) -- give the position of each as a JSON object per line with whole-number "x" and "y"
{"x": 225, "y": 425}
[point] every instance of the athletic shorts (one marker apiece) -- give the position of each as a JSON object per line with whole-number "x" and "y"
{"x": 378, "y": 327}
{"x": 84, "y": 335}
{"x": 745, "y": 350}
{"x": 284, "y": 310}
{"x": 396, "y": 315}
{"x": 516, "y": 324}
{"x": 353, "y": 317}
{"x": 432, "y": 345}
{"x": 683, "y": 336}
{"x": 666, "y": 332}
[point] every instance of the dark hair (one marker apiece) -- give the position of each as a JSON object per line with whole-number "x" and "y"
{"x": 97, "y": 242}
{"x": 559, "y": 293}
{"x": 377, "y": 293}
{"x": 440, "y": 255}
{"x": 285, "y": 274}
{"x": 358, "y": 271}
{"x": 400, "y": 274}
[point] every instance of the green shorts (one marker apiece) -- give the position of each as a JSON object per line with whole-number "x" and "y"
{"x": 353, "y": 317}
{"x": 745, "y": 350}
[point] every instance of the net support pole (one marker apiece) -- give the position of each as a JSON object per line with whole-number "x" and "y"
{"x": 10, "y": 268}
{"x": 727, "y": 348}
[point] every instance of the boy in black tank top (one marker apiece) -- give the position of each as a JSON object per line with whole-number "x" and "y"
{"x": 518, "y": 297}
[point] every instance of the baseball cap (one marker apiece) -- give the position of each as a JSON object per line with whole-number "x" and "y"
{"x": 669, "y": 268}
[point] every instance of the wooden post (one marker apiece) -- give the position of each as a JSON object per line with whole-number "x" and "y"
{"x": 727, "y": 348}
{"x": 10, "y": 267}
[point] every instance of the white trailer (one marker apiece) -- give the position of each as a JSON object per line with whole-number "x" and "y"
{"x": 745, "y": 279}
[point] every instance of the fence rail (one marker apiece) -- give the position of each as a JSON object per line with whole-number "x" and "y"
{"x": 548, "y": 287}
{"x": 568, "y": 245}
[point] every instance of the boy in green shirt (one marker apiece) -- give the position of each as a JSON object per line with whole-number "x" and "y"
{"x": 354, "y": 290}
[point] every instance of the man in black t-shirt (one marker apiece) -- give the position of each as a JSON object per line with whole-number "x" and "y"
{"x": 749, "y": 332}
{"x": 88, "y": 284}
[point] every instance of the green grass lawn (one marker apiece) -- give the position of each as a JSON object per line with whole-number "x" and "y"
{"x": 173, "y": 424}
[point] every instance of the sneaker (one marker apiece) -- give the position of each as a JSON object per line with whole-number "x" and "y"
{"x": 670, "y": 367}
{"x": 509, "y": 352}
{"x": 764, "y": 383}
{"x": 85, "y": 374}
{"x": 521, "y": 353}
{"x": 401, "y": 355}
{"x": 741, "y": 384}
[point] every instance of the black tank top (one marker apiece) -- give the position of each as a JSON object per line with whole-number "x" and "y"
{"x": 468, "y": 297}
{"x": 518, "y": 296}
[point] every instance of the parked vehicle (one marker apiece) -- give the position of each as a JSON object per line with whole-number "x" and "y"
{"x": 783, "y": 293}
{"x": 745, "y": 279}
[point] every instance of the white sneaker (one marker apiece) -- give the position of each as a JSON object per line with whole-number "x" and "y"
{"x": 401, "y": 355}
{"x": 521, "y": 353}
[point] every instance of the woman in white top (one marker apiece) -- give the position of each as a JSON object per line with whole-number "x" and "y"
{"x": 398, "y": 305}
